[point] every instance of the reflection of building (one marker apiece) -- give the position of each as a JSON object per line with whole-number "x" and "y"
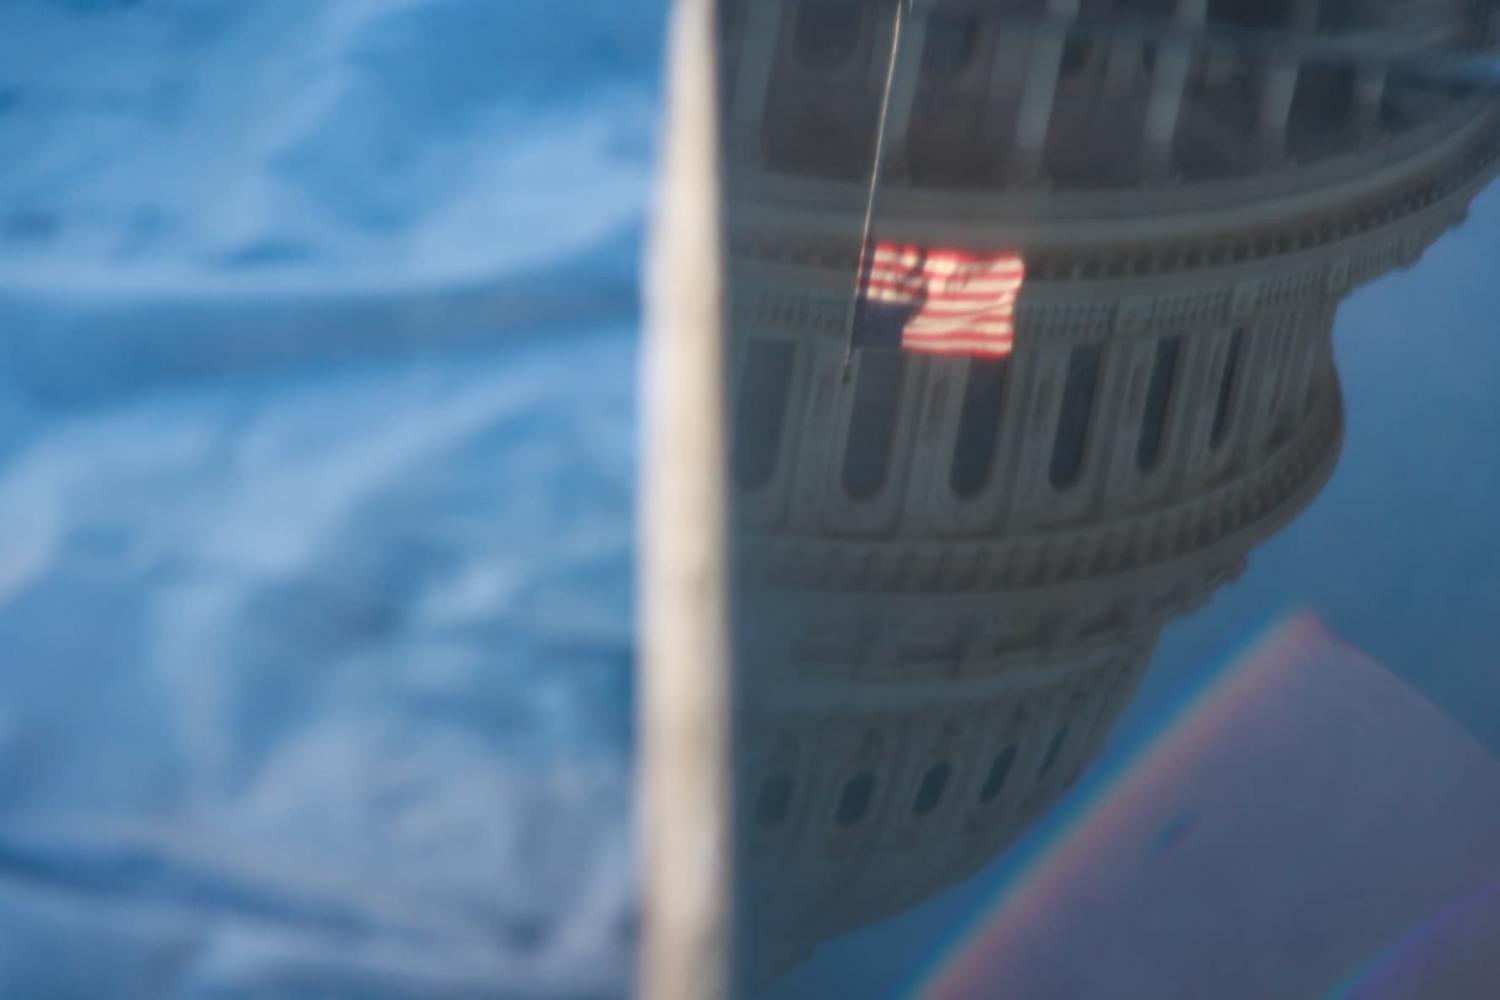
{"x": 956, "y": 570}
{"x": 982, "y": 93}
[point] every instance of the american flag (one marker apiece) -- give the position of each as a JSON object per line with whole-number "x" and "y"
{"x": 938, "y": 301}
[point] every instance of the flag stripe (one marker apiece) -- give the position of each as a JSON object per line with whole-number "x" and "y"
{"x": 960, "y": 333}
{"x": 963, "y": 350}
{"x": 942, "y": 300}
{"x": 942, "y": 262}
{"x": 938, "y": 273}
{"x": 978, "y": 292}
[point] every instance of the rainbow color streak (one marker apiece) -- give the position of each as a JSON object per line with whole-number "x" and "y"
{"x": 1450, "y": 954}
{"x": 960, "y": 971}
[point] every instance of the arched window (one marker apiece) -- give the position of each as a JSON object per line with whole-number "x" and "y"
{"x": 872, "y": 422}
{"x": 1226, "y": 388}
{"x": 1249, "y": 13}
{"x": 729, "y": 19}
{"x": 1074, "y": 417}
{"x": 999, "y": 771}
{"x": 951, "y": 41}
{"x": 760, "y": 411}
{"x": 774, "y": 800}
{"x": 1278, "y": 410}
{"x": 931, "y": 791}
{"x": 854, "y": 801}
{"x": 1158, "y": 399}
{"x": 978, "y": 426}
{"x": 1075, "y": 55}
{"x": 827, "y": 33}
{"x": 1053, "y": 751}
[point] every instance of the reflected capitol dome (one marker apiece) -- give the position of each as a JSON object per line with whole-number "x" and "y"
{"x": 953, "y": 571}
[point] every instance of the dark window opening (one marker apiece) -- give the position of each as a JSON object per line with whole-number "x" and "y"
{"x": 872, "y": 422}
{"x": 1323, "y": 103}
{"x": 999, "y": 771}
{"x": 1250, "y": 13}
{"x": 1075, "y": 55}
{"x": 931, "y": 791}
{"x": 1226, "y": 388}
{"x": 978, "y": 426}
{"x": 760, "y": 411}
{"x": 1276, "y": 409}
{"x": 950, "y": 44}
{"x": 827, "y": 32}
{"x": 1314, "y": 388}
{"x": 854, "y": 801}
{"x": 1281, "y": 433}
{"x": 774, "y": 800}
{"x": 1073, "y": 419}
{"x": 1053, "y": 751}
{"x": 1158, "y": 400}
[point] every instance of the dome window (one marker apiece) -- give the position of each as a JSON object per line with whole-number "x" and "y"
{"x": 774, "y": 801}
{"x": 854, "y": 801}
{"x": 1079, "y": 389}
{"x": 760, "y": 412}
{"x": 978, "y": 426}
{"x": 999, "y": 771}
{"x": 1053, "y": 752}
{"x": 1158, "y": 399}
{"x": 1222, "y": 410}
{"x": 827, "y": 33}
{"x": 931, "y": 791}
{"x": 872, "y": 422}
{"x": 951, "y": 43}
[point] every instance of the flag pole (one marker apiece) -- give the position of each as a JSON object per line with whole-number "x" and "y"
{"x": 873, "y": 189}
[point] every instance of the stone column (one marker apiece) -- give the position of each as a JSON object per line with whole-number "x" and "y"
{"x": 1006, "y": 80}
{"x": 1277, "y": 93}
{"x": 1037, "y": 93}
{"x": 1168, "y": 78}
{"x": 904, "y": 88}
{"x": 757, "y": 60}
{"x": 1122, "y": 64}
{"x": 1369, "y": 94}
{"x": 1280, "y": 86}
